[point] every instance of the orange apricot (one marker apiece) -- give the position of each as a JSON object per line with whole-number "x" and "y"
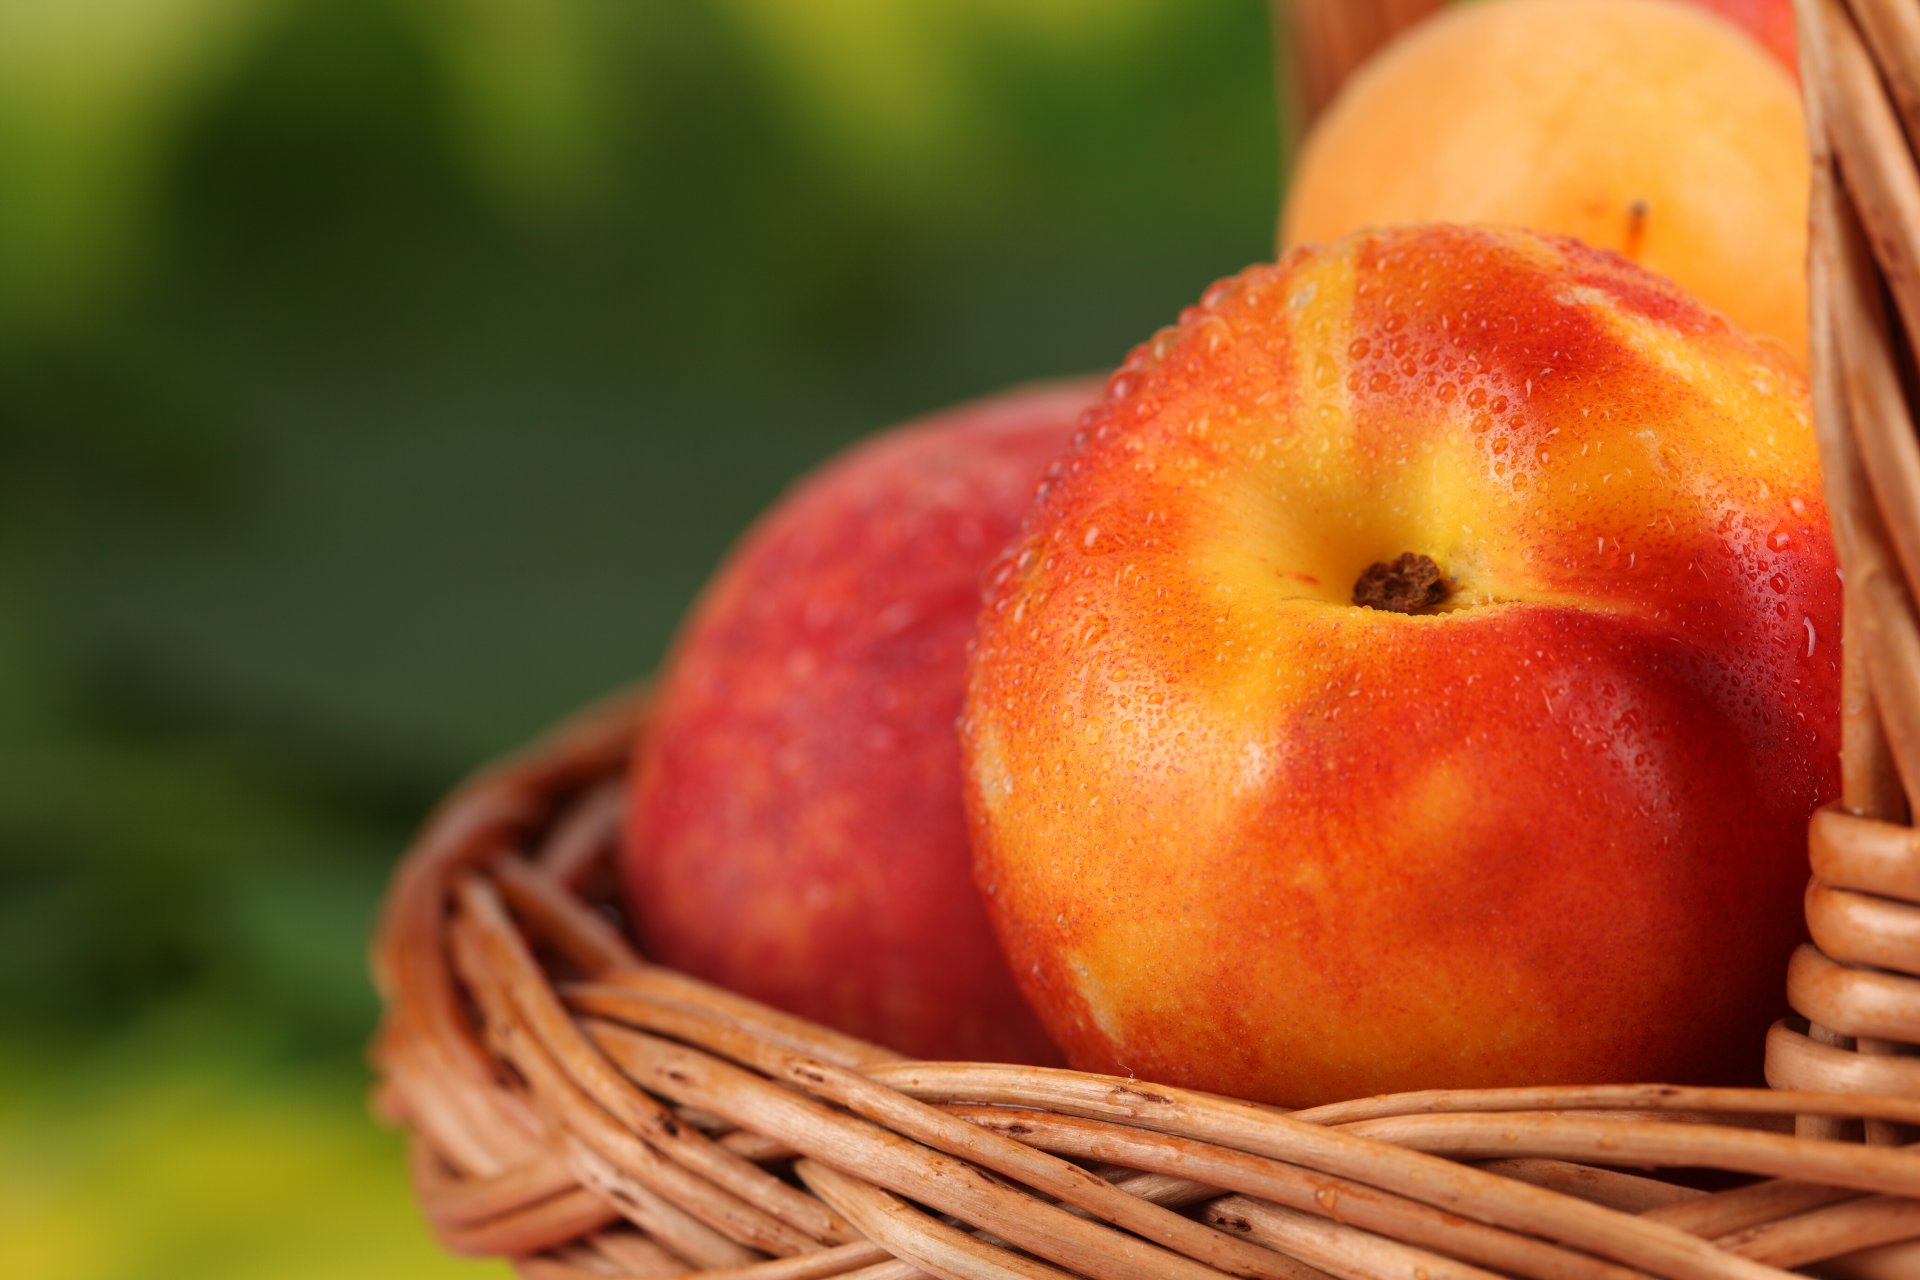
{"x": 1653, "y": 129}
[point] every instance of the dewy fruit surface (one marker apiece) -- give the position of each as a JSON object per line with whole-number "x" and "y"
{"x": 1241, "y": 834}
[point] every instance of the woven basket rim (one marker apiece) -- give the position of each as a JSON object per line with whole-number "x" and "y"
{"x": 535, "y": 1057}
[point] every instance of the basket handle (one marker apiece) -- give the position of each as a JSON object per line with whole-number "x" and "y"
{"x": 1319, "y": 43}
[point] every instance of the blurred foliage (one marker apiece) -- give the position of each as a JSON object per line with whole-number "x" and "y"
{"x": 181, "y": 1151}
{"x": 378, "y": 381}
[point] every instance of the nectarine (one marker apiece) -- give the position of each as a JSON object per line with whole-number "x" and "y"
{"x": 1420, "y": 675}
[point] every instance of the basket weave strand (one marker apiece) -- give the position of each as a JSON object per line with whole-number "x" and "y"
{"x": 588, "y": 1115}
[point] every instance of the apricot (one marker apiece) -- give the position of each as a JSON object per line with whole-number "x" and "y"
{"x": 1653, "y": 129}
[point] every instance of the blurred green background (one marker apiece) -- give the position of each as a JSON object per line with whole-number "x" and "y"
{"x": 378, "y": 381}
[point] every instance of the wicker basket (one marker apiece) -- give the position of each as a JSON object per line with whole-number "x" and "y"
{"x": 588, "y": 1115}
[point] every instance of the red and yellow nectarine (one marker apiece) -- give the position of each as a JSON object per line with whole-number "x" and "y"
{"x": 1242, "y": 833}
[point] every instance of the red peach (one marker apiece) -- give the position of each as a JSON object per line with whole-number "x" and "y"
{"x": 796, "y": 831}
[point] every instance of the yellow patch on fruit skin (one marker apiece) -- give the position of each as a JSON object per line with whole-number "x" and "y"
{"x": 991, "y": 777}
{"x": 1093, "y": 994}
{"x": 1440, "y": 800}
{"x": 1748, "y": 394}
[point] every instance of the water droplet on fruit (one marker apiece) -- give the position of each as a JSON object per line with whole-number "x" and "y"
{"x": 1780, "y": 539}
{"x": 1358, "y": 348}
{"x": 1779, "y": 583}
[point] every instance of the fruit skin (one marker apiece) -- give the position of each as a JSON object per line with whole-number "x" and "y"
{"x": 796, "y": 831}
{"x": 1642, "y": 126}
{"x": 1768, "y": 21}
{"x": 1241, "y": 835}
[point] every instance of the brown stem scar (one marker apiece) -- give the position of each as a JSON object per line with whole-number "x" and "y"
{"x": 1409, "y": 583}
